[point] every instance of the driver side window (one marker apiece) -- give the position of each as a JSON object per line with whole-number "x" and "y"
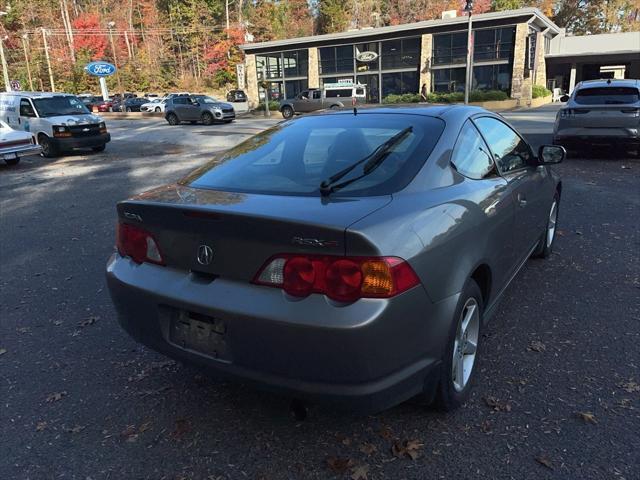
{"x": 470, "y": 155}
{"x": 26, "y": 109}
{"x": 511, "y": 152}
{"x": 303, "y": 95}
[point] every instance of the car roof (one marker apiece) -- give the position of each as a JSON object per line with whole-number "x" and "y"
{"x": 38, "y": 94}
{"x": 613, "y": 82}
{"x": 436, "y": 110}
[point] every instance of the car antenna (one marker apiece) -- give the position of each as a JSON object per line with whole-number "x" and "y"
{"x": 355, "y": 109}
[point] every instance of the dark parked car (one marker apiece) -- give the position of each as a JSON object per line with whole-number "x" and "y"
{"x": 133, "y": 104}
{"x": 337, "y": 257}
{"x": 197, "y": 108}
{"x": 236, "y": 96}
{"x": 91, "y": 102}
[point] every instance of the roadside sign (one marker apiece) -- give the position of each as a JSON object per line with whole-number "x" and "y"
{"x": 100, "y": 69}
{"x": 15, "y": 85}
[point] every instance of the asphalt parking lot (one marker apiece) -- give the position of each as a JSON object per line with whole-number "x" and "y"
{"x": 557, "y": 397}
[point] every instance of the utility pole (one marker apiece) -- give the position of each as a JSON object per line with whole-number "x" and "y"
{"x": 469, "y": 77}
{"x": 5, "y": 69}
{"x": 115, "y": 58}
{"x": 46, "y": 54}
{"x": 26, "y": 60}
{"x": 67, "y": 28}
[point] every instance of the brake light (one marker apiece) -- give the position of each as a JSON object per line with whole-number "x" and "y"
{"x": 344, "y": 279}
{"x": 134, "y": 242}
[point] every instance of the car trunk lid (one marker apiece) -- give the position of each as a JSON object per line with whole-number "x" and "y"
{"x": 243, "y": 230}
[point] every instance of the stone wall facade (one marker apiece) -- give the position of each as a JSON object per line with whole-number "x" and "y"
{"x": 540, "y": 75}
{"x": 251, "y": 76}
{"x": 521, "y": 84}
{"x": 426, "y": 50}
{"x": 314, "y": 68}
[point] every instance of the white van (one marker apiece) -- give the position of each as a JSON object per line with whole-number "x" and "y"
{"x": 345, "y": 90}
{"x": 58, "y": 121}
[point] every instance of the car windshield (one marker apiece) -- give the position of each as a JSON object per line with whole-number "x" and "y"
{"x": 607, "y": 95}
{"x": 206, "y": 99}
{"x": 62, "y": 105}
{"x": 293, "y": 158}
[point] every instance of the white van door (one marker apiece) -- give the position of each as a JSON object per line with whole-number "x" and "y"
{"x": 26, "y": 114}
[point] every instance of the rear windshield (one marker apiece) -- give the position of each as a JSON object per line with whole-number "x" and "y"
{"x": 294, "y": 157}
{"x": 607, "y": 95}
{"x": 52, "y": 106}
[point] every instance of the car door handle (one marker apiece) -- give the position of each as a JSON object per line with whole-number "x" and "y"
{"x": 522, "y": 201}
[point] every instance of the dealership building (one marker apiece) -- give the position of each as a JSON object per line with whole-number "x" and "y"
{"x": 512, "y": 51}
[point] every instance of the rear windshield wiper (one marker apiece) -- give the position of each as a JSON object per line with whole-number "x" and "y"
{"x": 374, "y": 159}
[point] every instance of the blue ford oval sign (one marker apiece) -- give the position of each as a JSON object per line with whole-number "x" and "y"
{"x": 100, "y": 69}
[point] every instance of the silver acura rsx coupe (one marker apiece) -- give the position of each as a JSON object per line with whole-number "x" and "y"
{"x": 345, "y": 257}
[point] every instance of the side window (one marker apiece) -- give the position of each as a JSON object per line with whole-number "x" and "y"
{"x": 509, "y": 149}
{"x": 317, "y": 94}
{"x": 26, "y": 109}
{"x": 303, "y": 95}
{"x": 470, "y": 155}
{"x": 179, "y": 101}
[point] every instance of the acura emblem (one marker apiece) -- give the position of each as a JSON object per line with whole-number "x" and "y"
{"x": 205, "y": 255}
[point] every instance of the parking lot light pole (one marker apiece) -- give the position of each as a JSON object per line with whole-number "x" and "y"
{"x": 469, "y": 77}
{"x": 113, "y": 51}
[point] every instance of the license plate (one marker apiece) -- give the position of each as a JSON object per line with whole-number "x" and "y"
{"x": 10, "y": 156}
{"x": 200, "y": 333}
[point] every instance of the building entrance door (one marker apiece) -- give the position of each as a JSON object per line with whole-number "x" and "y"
{"x": 373, "y": 87}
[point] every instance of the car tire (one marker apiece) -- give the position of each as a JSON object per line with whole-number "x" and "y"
{"x": 12, "y": 161}
{"x": 99, "y": 148}
{"x": 128, "y": 109}
{"x": 172, "y": 119}
{"x": 334, "y": 107}
{"x": 228, "y": 121}
{"x": 207, "y": 118}
{"x": 48, "y": 149}
{"x": 457, "y": 377}
{"x": 548, "y": 237}
{"x": 287, "y": 112}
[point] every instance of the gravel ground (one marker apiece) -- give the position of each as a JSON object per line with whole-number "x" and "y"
{"x": 558, "y": 391}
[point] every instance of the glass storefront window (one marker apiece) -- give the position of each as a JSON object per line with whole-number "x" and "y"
{"x": 449, "y": 80}
{"x": 296, "y": 63}
{"x": 399, "y": 83}
{"x": 368, "y": 51}
{"x": 492, "y": 77}
{"x": 400, "y": 53}
{"x": 493, "y": 44}
{"x": 450, "y": 48}
{"x": 336, "y": 59}
{"x": 293, "y": 87}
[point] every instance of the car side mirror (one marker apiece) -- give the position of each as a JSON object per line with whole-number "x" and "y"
{"x": 551, "y": 154}
{"x": 564, "y": 98}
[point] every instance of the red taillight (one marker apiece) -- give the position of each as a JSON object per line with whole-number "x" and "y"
{"x": 138, "y": 244}
{"x": 344, "y": 279}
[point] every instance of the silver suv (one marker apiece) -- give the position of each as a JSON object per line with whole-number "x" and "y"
{"x": 197, "y": 108}
{"x": 600, "y": 112}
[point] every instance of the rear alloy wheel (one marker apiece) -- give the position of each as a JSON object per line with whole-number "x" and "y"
{"x": 207, "y": 118}
{"x": 460, "y": 358}
{"x": 172, "y": 118}
{"x": 128, "y": 109}
{"x": 545, "y": 244}
{"x": 287, "y": 112}
{"x": 158, "y": 110}
{"x": 48, "y": 149}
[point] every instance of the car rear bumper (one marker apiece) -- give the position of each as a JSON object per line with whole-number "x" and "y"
{"x": 69, "y": 143}
{"x": 20, "y": 151}
{"x": 367, "y": 356}
{"x": 592, "y": 135}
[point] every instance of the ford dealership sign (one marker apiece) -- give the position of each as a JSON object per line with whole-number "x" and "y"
{"x": 100, "y": 69}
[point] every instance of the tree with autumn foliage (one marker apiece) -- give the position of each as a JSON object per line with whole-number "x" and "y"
{"x": 95, "y": 46}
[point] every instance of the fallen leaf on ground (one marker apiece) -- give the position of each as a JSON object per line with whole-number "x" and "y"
{"x": 588, "y": 417}
{"x": 22, "y": 329}
{"x": 360, "y": 472}
{"x": 386, "y": 433}
{"x": 485, "y": 426}
{"x": 76, "y": 429}
{"x": 497, "y": 405}
{"x": 339, "y": 465}
{"x": 40, "y": 426}
{"x": 183, "y": 426}
{"x": 544, "y": 460}
{"x": 54, "y": 397}
{"x": 130, "y": 433}
{"x": 89, "y": 321}
{"x": 630, "y": 386}
{"x": 144, "y": 427}
{"x": 407, "y": 448}
{"x": 537, "y": 346}
{"x": 3, "y": 351}
{"x": 368, "y": 448}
